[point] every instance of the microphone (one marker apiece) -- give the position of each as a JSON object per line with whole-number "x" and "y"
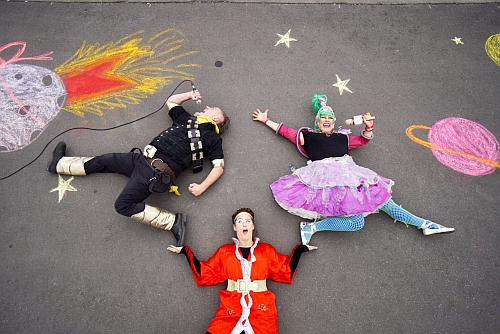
{"x": 197, "y": 101}
{"x": 356, "y": 120}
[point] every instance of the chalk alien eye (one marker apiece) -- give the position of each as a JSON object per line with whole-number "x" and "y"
{"x": 47, "y": 80}
{"x": 22, "y": 111}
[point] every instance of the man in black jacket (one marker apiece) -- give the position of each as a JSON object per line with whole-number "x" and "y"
{"x": 174, "y": 150}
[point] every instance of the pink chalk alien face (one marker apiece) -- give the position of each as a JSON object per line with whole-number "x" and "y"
{"x": 30, "y": 97}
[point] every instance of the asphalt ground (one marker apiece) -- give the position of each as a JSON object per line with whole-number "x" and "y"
{"x": 76, "y": 266}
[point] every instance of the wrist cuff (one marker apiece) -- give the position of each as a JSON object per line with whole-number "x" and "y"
{"x": 363, "y": 135}
{"x": 278, "y": 128}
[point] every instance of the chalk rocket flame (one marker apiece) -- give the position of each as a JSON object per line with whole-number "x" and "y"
{"x": 96, "y": 78}
{"x": 120, "y": 73}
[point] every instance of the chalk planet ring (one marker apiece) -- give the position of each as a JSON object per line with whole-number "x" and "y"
{"x": 409, "y": 133}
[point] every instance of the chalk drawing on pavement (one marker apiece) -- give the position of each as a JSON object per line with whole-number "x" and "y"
{"x": 63, "y": 186}
{"x": 124, "y": 72}
{"x": 457, "y": 40}
{"x": 342, "y": 85}
{"x": 492, "y": 48}
{"x": 30, "y": 97}
{"x": 462, "y": 145}
{"x": 96, "y": 78}
{"x": 285, "y": 39}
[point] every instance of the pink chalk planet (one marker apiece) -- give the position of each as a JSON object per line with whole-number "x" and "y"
{"x": 462, "y": 145}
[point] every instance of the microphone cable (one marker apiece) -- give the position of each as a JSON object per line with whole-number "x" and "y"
{"x": 97, "y": 129}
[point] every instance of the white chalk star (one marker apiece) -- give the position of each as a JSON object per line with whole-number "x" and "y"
{"x": 457, "y": 40}
{"x": 286, "y": 39}
{"x": 64, "y": 185}
{"x": 342, "y": 85}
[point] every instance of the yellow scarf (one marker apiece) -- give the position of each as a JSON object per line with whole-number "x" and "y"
{"x": 205, "y": 119}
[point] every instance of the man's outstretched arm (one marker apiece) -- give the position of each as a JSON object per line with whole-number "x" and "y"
{"x": 198, "y": 189}
{"x": 178, "y": 99}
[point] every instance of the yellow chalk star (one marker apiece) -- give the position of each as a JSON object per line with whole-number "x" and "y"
{"x": 457, "y": 40}
{"x": 64, "y": 185}
{"x": 175, "y": 190}
{"x": 342, "y": 85}
{"x": 286, "y": 39}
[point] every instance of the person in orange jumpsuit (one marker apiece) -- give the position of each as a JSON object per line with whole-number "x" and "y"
{"x": 246, "y": 306}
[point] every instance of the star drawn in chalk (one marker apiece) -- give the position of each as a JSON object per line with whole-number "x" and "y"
{"x": 286, "y": 39}
{"x": 342, "y": 85}
{"x": 457, "y": 40}
{"x": 63, "y": 186}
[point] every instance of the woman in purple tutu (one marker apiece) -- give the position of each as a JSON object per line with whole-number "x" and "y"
{"x": 332, "y": 189}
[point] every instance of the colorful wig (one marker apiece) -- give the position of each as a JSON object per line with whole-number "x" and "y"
{"x": 320, "y": 108}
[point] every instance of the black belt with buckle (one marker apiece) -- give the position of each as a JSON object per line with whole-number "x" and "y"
{"x": 161, "y": 166}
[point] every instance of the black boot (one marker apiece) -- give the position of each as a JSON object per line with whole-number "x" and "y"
{"x": 57, "y": 154}
{"x": 179, "y": 228}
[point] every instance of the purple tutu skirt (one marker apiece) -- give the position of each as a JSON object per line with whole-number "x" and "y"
{"x": 332, "y": 187}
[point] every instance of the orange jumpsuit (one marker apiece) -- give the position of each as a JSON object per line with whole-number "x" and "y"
{"x": 253, "y": 312}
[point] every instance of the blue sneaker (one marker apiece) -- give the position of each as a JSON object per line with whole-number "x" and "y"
{"x": 306, "y": 232}
{"x": 429, "y": 228}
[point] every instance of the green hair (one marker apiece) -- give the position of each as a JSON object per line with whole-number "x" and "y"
{"x": 316, "y": 102}
{"x": 321, "y": 108}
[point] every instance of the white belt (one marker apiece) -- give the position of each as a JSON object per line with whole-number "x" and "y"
{"x": 244, "y": 286}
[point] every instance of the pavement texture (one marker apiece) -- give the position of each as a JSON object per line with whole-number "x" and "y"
{"x": 70, "y": 264}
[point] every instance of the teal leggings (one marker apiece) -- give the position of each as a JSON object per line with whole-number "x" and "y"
{"x": 356, "y": 222}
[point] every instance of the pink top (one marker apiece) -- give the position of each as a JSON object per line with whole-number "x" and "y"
{"x": 291, "y": 135}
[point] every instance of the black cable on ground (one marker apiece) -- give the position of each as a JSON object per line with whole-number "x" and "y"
{"x": 96, "y": 129}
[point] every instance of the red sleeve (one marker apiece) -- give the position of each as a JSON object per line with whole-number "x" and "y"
{"x": 279, "y": 265}
{"x": 357, "y": 141}
{"x": 212, "y": 272}
{"x": 288, "y": 133}
{"x": 291, "y": 135}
